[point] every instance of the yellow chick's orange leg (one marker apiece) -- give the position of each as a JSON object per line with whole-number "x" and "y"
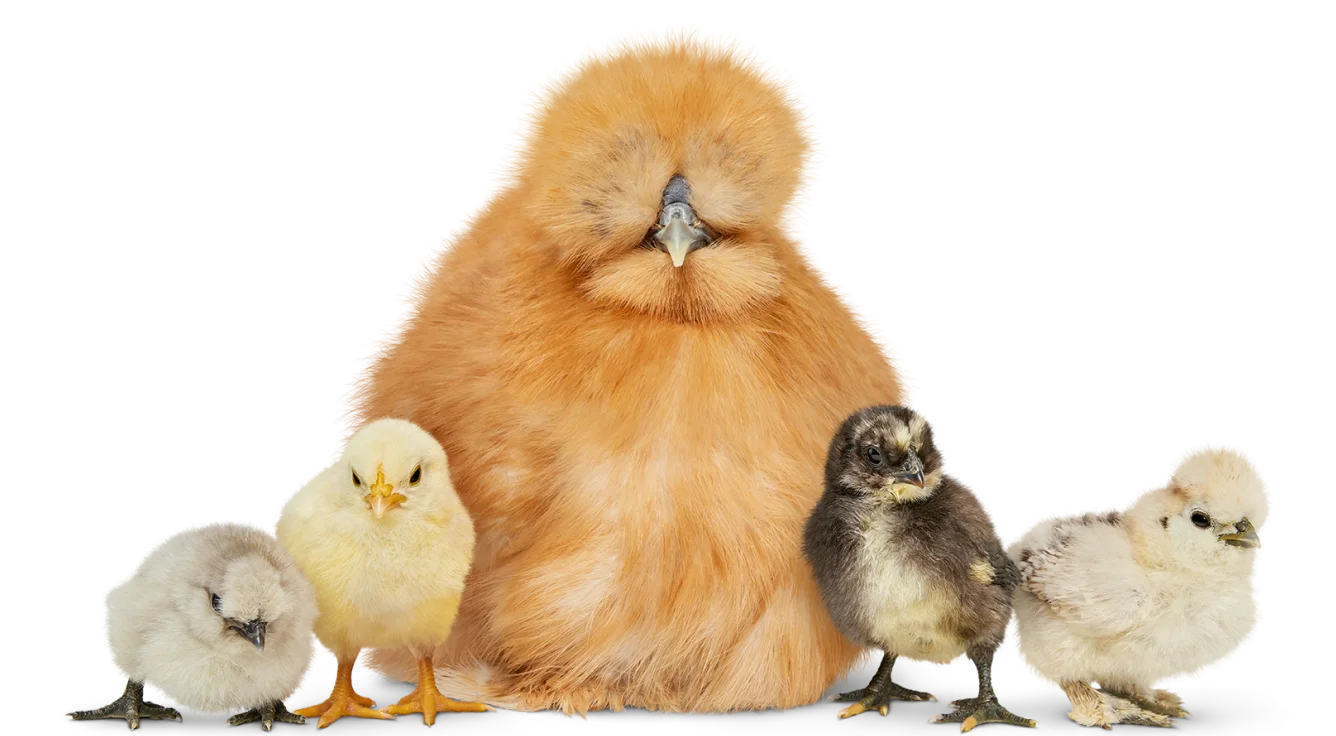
{"x": 429, "y": 701}
{"x": 343, "y": 701}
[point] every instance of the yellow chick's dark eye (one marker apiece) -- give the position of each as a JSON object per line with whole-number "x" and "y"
{"x": 1201, "y": 520}
{"x": 417, "y": 476}
{"x": 357, "y": 480}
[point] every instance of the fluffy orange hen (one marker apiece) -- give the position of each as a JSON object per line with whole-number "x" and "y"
{"x": 638, "y": 443}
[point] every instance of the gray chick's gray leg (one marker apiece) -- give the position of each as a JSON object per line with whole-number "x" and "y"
{"x": 879, "y": 692}
{"x": 972, "y": 712}
{"x": 130, "y": 706}
{"x": 267, "y": 714}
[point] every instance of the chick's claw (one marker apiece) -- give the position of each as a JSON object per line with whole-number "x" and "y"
{"x": 429, "y": 701}
{"x": 340, "y": 705}
{"x": 878, "y": 699}
{"x": 131, "y": 706}
{"x": 971, "y": 712}
{"x": 267, "y": 714}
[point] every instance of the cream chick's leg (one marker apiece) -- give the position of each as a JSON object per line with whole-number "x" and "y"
{"x": 1093, "y": 708}
{"x": 429, "y": 701}
{"x": 344, "y": 701}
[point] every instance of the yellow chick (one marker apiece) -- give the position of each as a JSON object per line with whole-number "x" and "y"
{"x": 387, "y": 544}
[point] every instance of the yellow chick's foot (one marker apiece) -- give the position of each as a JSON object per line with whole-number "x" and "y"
{"x": 429, "y": 701}
{"x": 343, "y": 701}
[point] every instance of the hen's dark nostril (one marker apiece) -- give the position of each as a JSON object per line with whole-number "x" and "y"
{"x": 677, "y": 191}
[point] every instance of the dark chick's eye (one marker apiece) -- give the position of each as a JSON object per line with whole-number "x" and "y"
{"x": 217, "y": 603}
{"x": 873, "y": 455}
{"x": 357, "y": 480}
{"x": 417, "y": 475}
{"x": 1201, "y": 520}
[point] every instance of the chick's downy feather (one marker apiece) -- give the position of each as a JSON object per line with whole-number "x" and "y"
{"x": 166, "y": 628}
{"x": 638, "y": 443}
{"x": 394, "y": 581}
{"x": 1127, "y": 599}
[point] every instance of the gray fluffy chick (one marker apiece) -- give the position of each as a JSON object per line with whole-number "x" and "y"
{"x": 217, "y": 617}
{"x": 908, "y": 562}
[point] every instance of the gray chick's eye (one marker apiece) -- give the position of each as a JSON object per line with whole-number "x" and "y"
{"x": 217, "y": 603}
{"x": 357, "y": 480}
{"x": 1201, "y": 520}
{"x": 873, "y": 455}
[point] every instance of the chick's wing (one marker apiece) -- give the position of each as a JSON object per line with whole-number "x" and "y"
{"x": 1086, "y": 573}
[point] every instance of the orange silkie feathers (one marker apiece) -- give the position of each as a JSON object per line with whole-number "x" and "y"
{"x": 638, "y": 443}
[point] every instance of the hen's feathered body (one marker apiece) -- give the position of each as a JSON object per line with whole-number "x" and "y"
{"x": 638, "y": 444}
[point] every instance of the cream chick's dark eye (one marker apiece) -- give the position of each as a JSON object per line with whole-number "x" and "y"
{"x": 416, "y": 477}
{"x": 357, "y": 479}
{"x": 1200, "y": 519}
{"x": 217, "y": 603}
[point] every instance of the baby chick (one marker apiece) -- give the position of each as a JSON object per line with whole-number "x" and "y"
{"x": 908, "y": 561}
{"x": 1127, "y": 599}
{"x": 220, "y": 619}
{"x": 387, "y": 544}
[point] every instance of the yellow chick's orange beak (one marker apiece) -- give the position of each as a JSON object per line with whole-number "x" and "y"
{"x": 382, "y": 497}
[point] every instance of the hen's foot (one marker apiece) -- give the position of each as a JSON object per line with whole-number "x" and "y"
{"x": 972, "y": 712}
{"x": 429, "y": 701}
{"x": 343, "y": 701}
{"x": 131, "y": 706}
{"x": 266, "y": 715}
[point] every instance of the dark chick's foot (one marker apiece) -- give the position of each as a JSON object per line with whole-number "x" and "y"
{"x": 267, "y": 714}
{"x": 131, "y": 707}
{"x": 869, "y": 699}
{"x": 972, "y": 712}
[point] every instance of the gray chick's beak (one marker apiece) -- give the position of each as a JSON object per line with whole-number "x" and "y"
{"x": 1244, "y": 536}
{"x": 679, "y": 231}
{"x": 253, "y": 631}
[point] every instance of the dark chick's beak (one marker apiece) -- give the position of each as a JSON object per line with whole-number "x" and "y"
{"x": 913, "y": 478}
{"x": 1244, "y": 536}
{"x": 253, "y": 631}
{"x": 679, "y": 231}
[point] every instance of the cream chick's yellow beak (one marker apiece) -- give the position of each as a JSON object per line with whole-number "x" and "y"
{"x": 382, "y": 497}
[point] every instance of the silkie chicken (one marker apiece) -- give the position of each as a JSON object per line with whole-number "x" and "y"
{"x": 908, "y": 561}
{"x": 636, "y": 374}
{"x": 217, "y": 617}
{"x": 1128, "y": 599}
{"x": 387, "y": 545}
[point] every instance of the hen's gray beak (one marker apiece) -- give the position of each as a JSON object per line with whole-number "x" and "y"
{"x": 679, "y": 231}
{"x": 253, "y": 631}
{"x": 1244, "y": 536}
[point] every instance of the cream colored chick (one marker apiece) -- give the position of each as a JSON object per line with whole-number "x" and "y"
{"x": 1128, "y": 599}
{"x": 387, "y": 545}
{"x": 217, "y": 617}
